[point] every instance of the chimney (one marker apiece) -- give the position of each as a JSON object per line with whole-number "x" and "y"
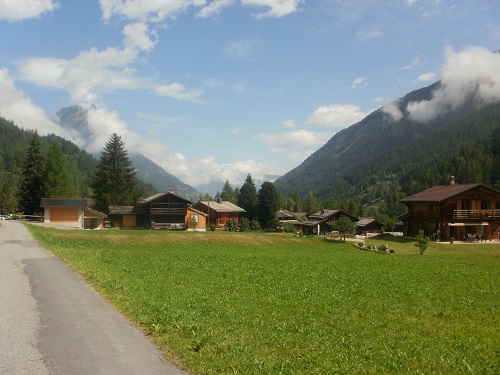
{"x": 452, "y": 180}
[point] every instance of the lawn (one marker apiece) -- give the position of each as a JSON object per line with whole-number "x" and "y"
{"x": 237, "y": 303}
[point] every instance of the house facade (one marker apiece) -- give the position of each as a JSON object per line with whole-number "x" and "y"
{"x": 460, "y": 211}
{"x": 219, "y": 212}
{"x": 160, "y": 211}
{"x": 368, "y": 225}
{"x": 72, "y": 213}
{"x": 322, "y": 221}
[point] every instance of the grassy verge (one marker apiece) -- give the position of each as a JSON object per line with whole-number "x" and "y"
{"x": 227, "y": 303}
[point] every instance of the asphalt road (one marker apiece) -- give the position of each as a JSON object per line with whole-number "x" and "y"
{"x": 53, "y": 322}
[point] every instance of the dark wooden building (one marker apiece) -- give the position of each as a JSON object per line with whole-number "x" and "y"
{"x": 160, "y": 211}
{"x": 464, "y": 212}
{"x": 321, "y": 222}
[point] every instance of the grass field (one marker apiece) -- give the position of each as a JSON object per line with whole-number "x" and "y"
{"x": 237, "y": 303}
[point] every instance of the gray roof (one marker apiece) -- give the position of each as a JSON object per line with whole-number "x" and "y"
{"x": 63, "y": 202}
{"x": 222, "y": 206}
{"x": 159, "y": 195}
{"x": 366, "y": 221}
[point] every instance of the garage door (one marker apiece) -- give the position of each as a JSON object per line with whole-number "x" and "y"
{"x": 66, "y": 214}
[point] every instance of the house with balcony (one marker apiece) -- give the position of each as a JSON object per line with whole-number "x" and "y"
{"x": 165, "y": 210}
{"x": 465, "y": 212}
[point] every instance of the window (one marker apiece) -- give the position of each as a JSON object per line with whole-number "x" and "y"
{"x": 194, "y": 218}
{"x": 485, "y": 205}
{"x": 465, "y": 205}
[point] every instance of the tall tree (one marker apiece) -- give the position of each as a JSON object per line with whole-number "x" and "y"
{"x": 247, "y": 198}
{"x": 115, "y": 181}
{"x": 8, "y": 202}
{"x": 31, "y": 190}
{"x": 268, "y": 205}
{"x": 311, "y": 204}
{"x": 57, "y": 179}
{"x": 228, "y": 193}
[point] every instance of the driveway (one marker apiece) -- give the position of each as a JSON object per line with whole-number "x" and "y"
{"x": 53, "y": 322}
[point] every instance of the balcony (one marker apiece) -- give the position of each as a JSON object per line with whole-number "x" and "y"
{"x": 483, "y": 215}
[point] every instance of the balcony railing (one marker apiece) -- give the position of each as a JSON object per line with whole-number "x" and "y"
{"x": 476, "y": 214}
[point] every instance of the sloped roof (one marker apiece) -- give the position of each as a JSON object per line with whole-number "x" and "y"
{"x": 366, "y": 221}
{"x": 62, "y": 202}
{"x": 440, "y": 193}
{"x": 89, "y": 212}
{"x": 222, "y": 206}
{"x": 159, "y": 195}
{"x": 196, "y": 211}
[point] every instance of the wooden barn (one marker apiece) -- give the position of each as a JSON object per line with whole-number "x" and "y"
{"x": 321, "y": 222}
{"x": 160, "y": 211}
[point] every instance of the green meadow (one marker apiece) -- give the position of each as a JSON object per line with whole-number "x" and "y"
{"x": 246, "y": 303}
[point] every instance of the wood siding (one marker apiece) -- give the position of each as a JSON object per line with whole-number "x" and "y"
{"x": 64, "y": 214}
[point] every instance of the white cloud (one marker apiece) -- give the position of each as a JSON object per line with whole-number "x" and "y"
{"x": 15, "y": 106}
{"x": 472, "y": 72}
{"x": 214, "y": 8}
{"x": 293, "y": 140}
{"x": 278, "y": 8}
{"x": 369, "y": 34}
{"x": 337, "y": 115}
{"x": 243, "y": 49}
{"x": 93, "y": 71}
{"x": 15, "y": 10}
{"x": 392, "y": 109}
{"x": 299, "y": 157}
{"x": 415, "y": 64}
{"x": 177, "y": 91}
{"x": 358, "y": 82}
{"x": 429, "y": 76}
{"x": 289, "y": 124}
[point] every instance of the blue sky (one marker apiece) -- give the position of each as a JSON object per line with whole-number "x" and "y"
{"x": 214, "y": 90}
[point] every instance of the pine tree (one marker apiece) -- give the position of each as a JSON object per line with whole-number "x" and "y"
{"x": 268, "y": 205}
{"x": 247, "y": 198}
{"x": 31, "y": 190}
{"x": 115, "y": 181}
{"x": 227, "y": 193}
{"x": 57, "y": 179}
{"x": 8, "y": 203}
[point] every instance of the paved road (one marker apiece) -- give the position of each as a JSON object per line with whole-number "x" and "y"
{"x": 53, "y": 322}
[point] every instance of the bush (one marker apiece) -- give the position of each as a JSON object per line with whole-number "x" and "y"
{"x": 231, "y": 226}
{"x": 289, "y": 228}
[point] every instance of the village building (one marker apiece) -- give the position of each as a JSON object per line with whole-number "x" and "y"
{"x": 74, "y": 213}
{"x": 462, "y": 212}
{"x": 294, "y": 218}
{"x": 159, "y": 211}
{"x": 368, "y": 225}
{"x": 322, "y": 221}
{"x": 219, "y": 212}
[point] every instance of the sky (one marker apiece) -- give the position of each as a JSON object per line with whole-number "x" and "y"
{"x": 212, "y": 90}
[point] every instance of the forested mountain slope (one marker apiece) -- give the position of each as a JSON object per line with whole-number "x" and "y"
{"x": 380, "y": 156}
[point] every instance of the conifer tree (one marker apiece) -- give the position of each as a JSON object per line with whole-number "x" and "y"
{"x": 227, "y": 193}
{"x": 8, "y": 202}
{"x": 247, "y": 198}
{"x": 31, "y": 190}
{"x": 115, "y": 181}
{"x": 268, "y": 205}
{"x": 57, "y": 179}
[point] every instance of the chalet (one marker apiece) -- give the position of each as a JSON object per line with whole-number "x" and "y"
{"x": 159, "y": 211}
{"x": 285, "y": 216}
{"x": 74, "y": 213}
{"x": 459, "y": 211}
{"x": 368, "y": 225}
{"x": 219, "y": 212}
{"x": 322, "y": 221}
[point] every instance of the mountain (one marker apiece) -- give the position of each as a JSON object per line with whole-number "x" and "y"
{"x": 401, "y": 152}
{"x": 75, "y": 118}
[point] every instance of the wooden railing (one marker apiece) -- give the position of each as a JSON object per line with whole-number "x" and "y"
{"x": 476, "y": 214}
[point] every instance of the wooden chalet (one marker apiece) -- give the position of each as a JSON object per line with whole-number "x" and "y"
{"x": 74, "y": 213}
{"x": 159, "y": 211}
{"x": 321, "y": 222}
{"x": 285, "y": 216}
{"x": 219, "y": 212}
{"x": 465, "y": 212}
{"x": 368, "y": 225}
